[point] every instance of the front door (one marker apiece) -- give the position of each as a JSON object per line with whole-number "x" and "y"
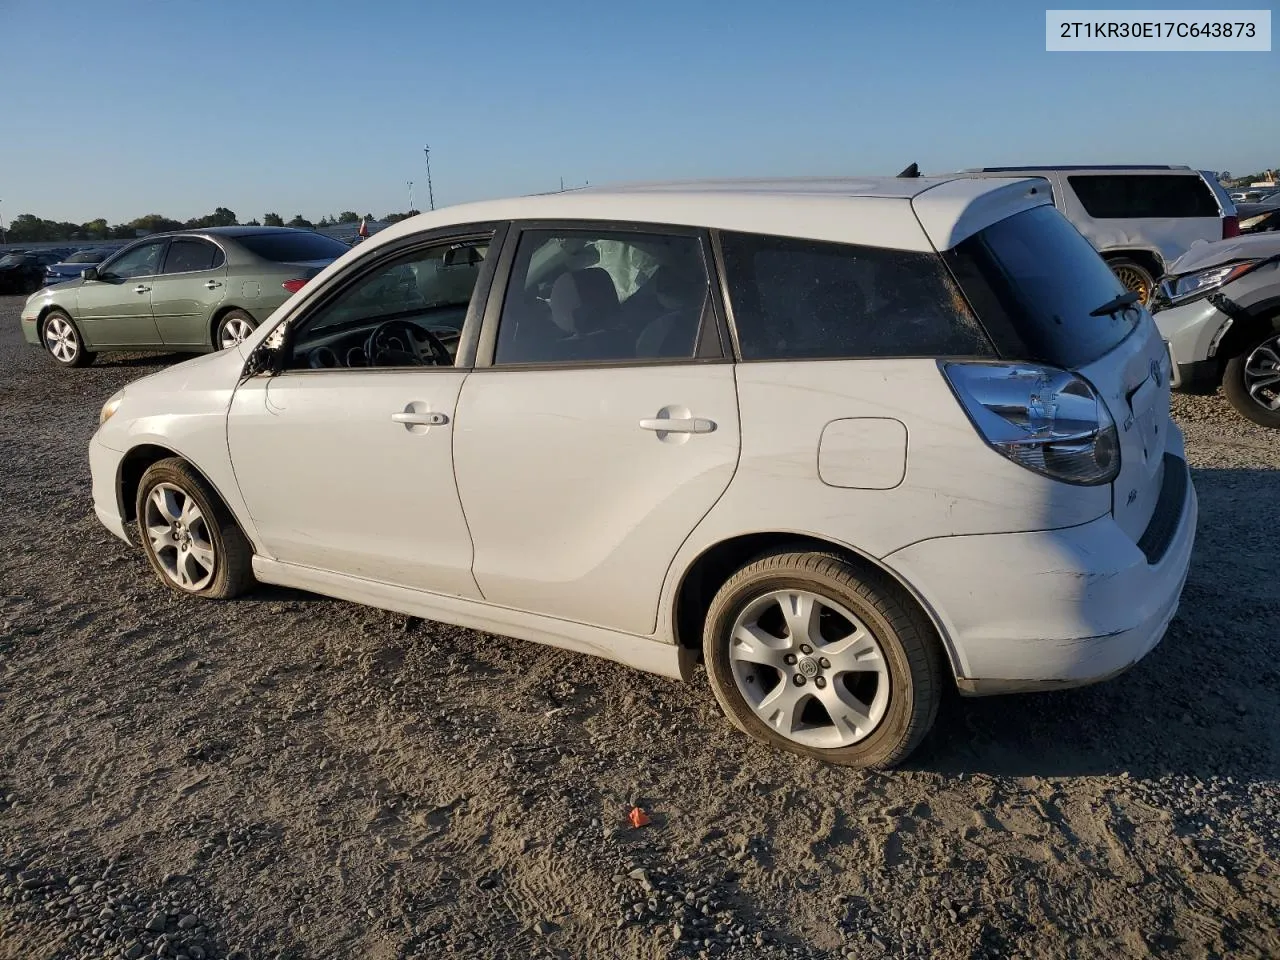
{"x": 345, "y": 459}
{"x": 191, "y": 284}
{"x": 604, "y": 429}
{"x": 115, "y": 309}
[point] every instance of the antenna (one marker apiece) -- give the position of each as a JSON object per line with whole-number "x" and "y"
{"x": 410, "y": 183}
{"x": 431, "y": 197}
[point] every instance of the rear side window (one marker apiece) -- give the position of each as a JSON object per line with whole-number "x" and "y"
{"x": 293, "y": 247}
{"x": 1135, "y": 196}
{"x": 1034, "y": 280}
{"x": 189, "y": 256}
{"x": 808, "y": 300}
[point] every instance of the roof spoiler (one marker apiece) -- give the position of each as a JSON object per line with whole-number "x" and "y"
{"x": 911, "y": 171}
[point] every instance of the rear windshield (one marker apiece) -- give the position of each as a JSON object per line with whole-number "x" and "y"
{"x": 1033, "y": 280}
{"x": 1135, "y": 196}
{"x": 86, "y": 256}
{"x": 293, "y": 247}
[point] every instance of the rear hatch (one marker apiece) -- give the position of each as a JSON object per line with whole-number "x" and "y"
{"x": 1035, "y": 282}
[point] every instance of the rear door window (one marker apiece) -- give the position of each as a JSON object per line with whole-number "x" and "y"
{"x": 190, "y": 256}
{"x": 1034, "y": 281}
{"x": 810, "y": 300}
{"x": 1139, "y": 196}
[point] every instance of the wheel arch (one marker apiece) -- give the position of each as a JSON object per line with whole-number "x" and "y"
{"x": 1257, "y": 319}
{"x": 136, "y": 462}
{"x": 709, "y": 570}
{"x": 1143, "y": 257}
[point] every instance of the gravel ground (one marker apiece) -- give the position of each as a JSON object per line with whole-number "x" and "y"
{"x": 290, "y": 776}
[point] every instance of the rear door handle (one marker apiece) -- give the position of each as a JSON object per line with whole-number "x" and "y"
{"x": 679, "y": 425}
{"x": 212, "y": 284}
{"x": 420, "y": 419}
{"x": 140, "y": 288}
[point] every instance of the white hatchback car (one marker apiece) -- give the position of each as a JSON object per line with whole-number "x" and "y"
{"x": 843, "y": 441}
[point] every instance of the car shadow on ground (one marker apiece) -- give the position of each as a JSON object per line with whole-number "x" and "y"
{"x": 1205, "y": 702}
{"x": 130, "y": 360}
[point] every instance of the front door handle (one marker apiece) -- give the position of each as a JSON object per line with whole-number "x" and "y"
{"x": 420, "y": 419}
{"x": 212, "y": 284}
{"x": 141, "y": 288}
{"x": 679, "y": 425}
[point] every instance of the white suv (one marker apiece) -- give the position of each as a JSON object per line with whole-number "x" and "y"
{"x": 843, "y": 441}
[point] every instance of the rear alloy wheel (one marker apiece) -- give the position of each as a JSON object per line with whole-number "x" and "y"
{"x": 233, "y": 328}
{"x": 1135, "y": 277}
{"x": 1251, "y": 381}
{"x": 190, "y": 538}
{"x": 808, "y": 653}
{"x": 62, "y": 340}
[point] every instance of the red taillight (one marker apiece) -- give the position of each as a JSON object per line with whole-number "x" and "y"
{"x": 1230, "y": 227}
{"x": 293, "y": 286}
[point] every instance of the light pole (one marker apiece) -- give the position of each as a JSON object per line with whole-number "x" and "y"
{"x": 431, "y": 196}
{"x": 4, "y": 234}
{"x": 410, "y": 183}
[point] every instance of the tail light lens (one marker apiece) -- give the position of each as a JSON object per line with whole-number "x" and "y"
{"x": 1045, "y": 419}
{"x": 293, "y": 286}
{"x": 1230, "y": 227}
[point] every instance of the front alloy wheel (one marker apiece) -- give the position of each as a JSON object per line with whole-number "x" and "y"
{"x": 62, "y": 340}
{"x": 234, "y": 328}
{"x": 189, "y": 536}
{"x": 179, "y": 536}
{"x": 1251, "y": 381}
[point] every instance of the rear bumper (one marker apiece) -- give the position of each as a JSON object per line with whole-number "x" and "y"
{"x": 1056, "y": 608}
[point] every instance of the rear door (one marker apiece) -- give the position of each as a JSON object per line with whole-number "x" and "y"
{"x": 600, "y": 424}
{"x": 191, "y": 284}
{"x": 115, "y": 309}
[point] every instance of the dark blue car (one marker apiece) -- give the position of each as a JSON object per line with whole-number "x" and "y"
{"x": 71, "y": 267}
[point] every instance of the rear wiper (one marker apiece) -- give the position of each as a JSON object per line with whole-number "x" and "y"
{"x": 1116, "y": 303}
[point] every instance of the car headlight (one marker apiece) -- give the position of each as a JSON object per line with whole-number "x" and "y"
{"x": 110, "y": 407}
{"x": 1178, "y": 289}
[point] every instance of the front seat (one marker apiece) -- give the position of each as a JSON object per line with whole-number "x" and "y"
{"x": 584, "y": 306}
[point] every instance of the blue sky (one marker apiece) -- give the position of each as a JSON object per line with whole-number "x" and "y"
{"x": 178, "y": 106}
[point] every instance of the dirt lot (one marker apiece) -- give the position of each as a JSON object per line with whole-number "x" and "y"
{"x": 289, "y": 776}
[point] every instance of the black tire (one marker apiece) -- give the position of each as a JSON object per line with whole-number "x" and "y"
{"x": 68, "y": 339}
{"x": 1134, "y": 276}
{"x": 232, "y": 567}
{"x": 912, "y": 652}
{"x": 225, "y": 321}
{"x": 1265, "y": 350}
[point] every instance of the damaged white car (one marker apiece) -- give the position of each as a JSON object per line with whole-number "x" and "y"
{"x": 843, "y": 442}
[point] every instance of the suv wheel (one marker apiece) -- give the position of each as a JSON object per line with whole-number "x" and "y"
{"x": 63, "y": 341}
{"x": 808, "y": 653}
{"x": 191, "y": 540}
{"x": 1251, "y": 380}
{"x": 1134, "y": 276}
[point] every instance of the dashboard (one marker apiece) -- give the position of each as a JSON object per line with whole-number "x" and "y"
{"x": 346, "y": 348}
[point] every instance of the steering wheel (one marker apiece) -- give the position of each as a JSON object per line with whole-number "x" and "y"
{"x": 379, "y": 347}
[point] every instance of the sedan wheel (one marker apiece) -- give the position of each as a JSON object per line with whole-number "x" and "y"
{"x": 62, "y": 340}
{"x": 814, "y": 654}
{"x": 180, "y": 538}
{"x": 234, "y": 328}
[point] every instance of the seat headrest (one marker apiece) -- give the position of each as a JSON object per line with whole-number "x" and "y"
{"x": 583, "y": 300}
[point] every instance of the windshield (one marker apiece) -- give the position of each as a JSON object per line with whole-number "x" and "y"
{"x": 293, "y": 247}
{"x": 86, "y": 256}
{"x": 11, "y": 260}
{"x": 1034, "y": 280}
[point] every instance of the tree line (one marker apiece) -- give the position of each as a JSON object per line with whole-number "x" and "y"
{"x": 28, "y": 228}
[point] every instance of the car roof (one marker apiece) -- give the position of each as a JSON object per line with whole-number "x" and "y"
{"x": 874, "y": 211}
{"x": 237, "y": 231}
{"x": 1082, "y": 168}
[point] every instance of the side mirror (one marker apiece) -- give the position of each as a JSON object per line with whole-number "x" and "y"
{"x": 90, "y": 273}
